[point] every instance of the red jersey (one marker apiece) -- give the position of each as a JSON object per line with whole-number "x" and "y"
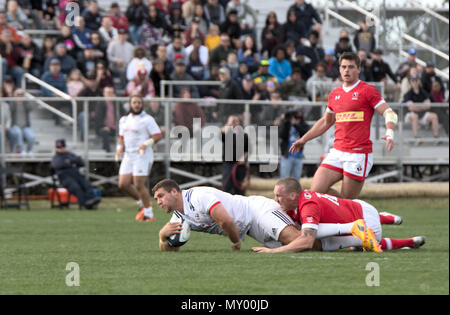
{"x": 353, "y": 108}
{"x": 314, "y": 208}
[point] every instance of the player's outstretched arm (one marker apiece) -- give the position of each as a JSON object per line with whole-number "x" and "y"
{"x": 319, "y": 128}
{"x": 225, "y": 221}
{"x": 391, "y": 119}
{"x": 302, "y": 243}
{"x": 169, "y": 229}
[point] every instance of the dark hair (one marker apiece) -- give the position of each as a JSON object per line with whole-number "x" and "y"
{"x": 350, "y": 56}
{"x": 290, "y": 184}
{"x": 167, "y": 185}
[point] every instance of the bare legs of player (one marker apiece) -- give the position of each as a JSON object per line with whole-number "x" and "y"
{"x": 126, "y": 185}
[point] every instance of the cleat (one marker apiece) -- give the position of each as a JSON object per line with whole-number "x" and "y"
{"x": 371, "y": 244}
{"x": 418, "y": 241}
{"x": 140, "y": 215}
{"x": 147, "y": 219}
{"x": 397, "y": 219}
{"x": 359, "y": 230}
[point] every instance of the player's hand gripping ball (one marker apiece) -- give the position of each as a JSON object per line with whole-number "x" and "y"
{"x": 177, "y": 240}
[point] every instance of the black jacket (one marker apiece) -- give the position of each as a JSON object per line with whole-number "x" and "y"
{"x": 284, "y": 130}
{"x": 66, "y": 165}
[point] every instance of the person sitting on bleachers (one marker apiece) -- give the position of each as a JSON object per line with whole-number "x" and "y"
{"x": 307, "y": 14}
{"x": 244, "y": 10}
{"x": 294, "y": 30}
{"x": 214, "y": 12}
{"x": 92, "y": 16}
{"x": 343, "y": 45}
{"x": 107, "y": 31}
{"x": 118, "y": 19}
{"x": 185, "y": 112}
{"x": 66, "y": 61}
{"x": 231, "y": 27}
{"x": 272, "y": 34}
{"x": 141, "y": 84}
{"x": 81, "y": 35}
{"x": 10, "y": 52}
{"x": 279, "y": 66}
{"x": 120, "y": 53}
{"x": 420, "y": 114}
{"x": 139, "y": 59}
{"x": 67, "y": 166}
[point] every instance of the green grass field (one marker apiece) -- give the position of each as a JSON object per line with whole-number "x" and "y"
{"x": 117, "y": 255}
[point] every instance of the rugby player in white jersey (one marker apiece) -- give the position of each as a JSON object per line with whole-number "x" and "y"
{"x": 138, "y": 132}
{"x": 210, "y": 210}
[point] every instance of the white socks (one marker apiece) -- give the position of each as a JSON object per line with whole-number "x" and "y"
{"x": 333, "y": 229}
{"x": 140, "y": 204}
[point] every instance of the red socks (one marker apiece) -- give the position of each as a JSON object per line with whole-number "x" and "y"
{"x": 392, "y": 243}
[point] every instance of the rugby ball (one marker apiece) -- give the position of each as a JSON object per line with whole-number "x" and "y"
{"x": 177, "y": 240}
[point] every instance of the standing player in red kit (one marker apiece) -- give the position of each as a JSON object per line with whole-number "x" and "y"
{"x": 351, "y": 107}
{"x": 312, "y": 210}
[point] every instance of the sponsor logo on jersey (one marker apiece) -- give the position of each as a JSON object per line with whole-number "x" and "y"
{"x": 349, "y": 116}
{"x": 309, "y": 219}
{"x": 337, "y": 97}
{"x": 355, "y": 96}
{"x": 307, "y": 195}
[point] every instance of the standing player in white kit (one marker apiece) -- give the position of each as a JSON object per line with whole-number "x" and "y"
{"x": 138, "y": 132}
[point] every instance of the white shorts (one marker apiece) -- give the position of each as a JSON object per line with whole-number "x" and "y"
{"x": 267, "y": 223}
{"x": 422, "y": 121}
{"x": 372, "y": 218}
{"x": 353, "y": 165}
{"x": 135, "y": 164}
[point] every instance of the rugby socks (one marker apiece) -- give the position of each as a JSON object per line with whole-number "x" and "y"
{"x": 392, "y": 243}
{"x": 333, "y": 229}
{"x": 148, "y": 212}
{"x": 387, "y": 219}
{"x": 140, "y": 204}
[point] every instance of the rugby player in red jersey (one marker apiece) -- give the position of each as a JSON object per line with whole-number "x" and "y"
{"x": 351, "y": 107}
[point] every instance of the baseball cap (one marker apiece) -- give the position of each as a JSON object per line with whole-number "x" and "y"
{"x": 179, "y": 59}
{"x": 412, "y": 51}
{"x": 378, "y": 51}
{"x": 60, "y": 143}
{"x": 430, "y": 64}
{"x": 264, "y": 62}
{"x": 122, "y": 31}
{"x": 55, "y": 61}
{"x": 329, "y": 51}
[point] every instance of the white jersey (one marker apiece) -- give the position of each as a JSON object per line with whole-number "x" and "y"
{"x": 246, "y": 212}
{"x": 135, "y": 129}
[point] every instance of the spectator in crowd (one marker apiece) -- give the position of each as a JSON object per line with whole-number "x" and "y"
{"x": 99, "y": 45}
{"x": 48, "y": 47}
{"x": 175, "y": 20}
{"x": 21, "y": 126}
{"x": 107, "y": 31}
{"x": 141, "y": 84}
{"x": 136, "y": 15}
{"x": 74, "y": 83}
{"x": 220, "y": 53}
{"x": 292, "y": 127}
{"x": 57, "y": 79}
{"x": 81, "y": 35}
{"x": 103, "y": 76}
{"x": 231, "y": 27}
{"x": 322, "y": 83}
{"x": 50, "y": 19}
{"x": 155, "y": 110}
{"x": 10, "y": 51}
{"x": 188, "y": 8}
{"x": 180, "y": 74}
{"x": 242, "y": 71}
{"x": 307, "y": 14}
{"x": 249, "y": 54}
{"x": 66, "y": 60}
{"x": 302, "y": 62}
{"x": 214, "y": 12}
{"x": 153, "y": 30}
{"x": 233, "y": 65}
{"x": 420, "y": 114}
{"x": 262, "y": 75}
{"x": 192, "y": 32}
{"x": 295, "y": 88}
{"x": 381, "y": 69}
{"x": 67, "y": 166}
{"x": 139, "y": 58}
{"x": 176, "y": 48}
{"x": 185, "y": 112}
{"x": 235, "y": 144}
{"x": 405, "y": 84}
{"x": 272, "y": 34}
{"x": 437, "y": 96}
{"x": 366, "y": 66}
{"x": 331, "y": 64}
{"x": 158, "y": 74}
{"x": 87, "y": 63}
{"x": 90, "y": 90}
{"x": 118, "y": 19}
{"x": 92, "y": 16}
{"x": 199, "y": 15}
{"x": 271, "y": 114}
{"x": 161, "y": 53}
{"x": 120, "y": 53}
{"x": 313, "y": 48}
{"x": 16, "y": 38}
{"x": 429, "y": 77}
{"x": 229, "y": 90}
{"x": 343, "y": 45}
{"x": 244, "y": 13}
{"x": 195, "y": 67}
{"x": 212, "y": 39}
{"x": 66, "y": 37}
{"x": 279, "y": 66}
{"x": 5, "y": 114}
{"x": 404, "y": 67}
{"x": 16, "y": 16}
{"x": 106, "y": 120}
{"x": 294, "y": 29}
{"x": 249, "y": 92}
{"x": 163, "y": 5}
{"x": 30, "y": 53}
{"x": 364, "y": 38}
{"x": 201, "y": 50}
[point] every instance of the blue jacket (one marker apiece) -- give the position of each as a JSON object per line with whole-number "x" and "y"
{"x": 280, "y": 70}
{"x": 59, "y": 83}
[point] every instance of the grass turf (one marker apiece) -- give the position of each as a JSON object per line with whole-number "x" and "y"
{"x": 117, "y": 255}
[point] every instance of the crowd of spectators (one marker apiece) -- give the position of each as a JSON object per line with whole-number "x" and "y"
{"x": 130, "y": 51}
